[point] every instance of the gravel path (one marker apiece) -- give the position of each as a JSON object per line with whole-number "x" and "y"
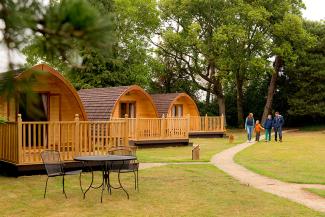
{"x": 225, "y": 161}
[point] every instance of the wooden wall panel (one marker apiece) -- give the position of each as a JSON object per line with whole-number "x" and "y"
{"x": 54, "y": 110}
{"x": 188, "y": 107}
{"x": 144, "y": 108}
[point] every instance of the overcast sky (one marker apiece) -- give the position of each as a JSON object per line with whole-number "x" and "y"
{"x": 315, "y": 10}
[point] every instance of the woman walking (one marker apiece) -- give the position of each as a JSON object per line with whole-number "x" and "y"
{"x": 249, "y": 126}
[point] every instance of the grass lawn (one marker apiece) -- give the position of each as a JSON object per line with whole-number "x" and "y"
{"x": 175, "y": 190}
{"x": 208, "y": 147}
{"x": 300, "y": 158}
{"x": 319, "y": 192}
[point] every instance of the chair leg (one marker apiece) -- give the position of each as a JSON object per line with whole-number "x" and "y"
{"x": 63, "y": 187}
{"x": 138, "y": 180}
{"x": 46, "y": 186}
{"x": 135, "y": 180}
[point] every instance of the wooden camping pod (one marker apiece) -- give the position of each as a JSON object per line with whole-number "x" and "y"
{"x": 115, "y": 102}
{"x": 175, "y": 105}
{"x": 52, "y": 97}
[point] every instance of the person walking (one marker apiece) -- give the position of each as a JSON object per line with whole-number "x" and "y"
{"x": 268, "y": 128}
{"x": 278, "y": 122}
{"x": 258, "y": 128}
{"x": 249, "y": 126}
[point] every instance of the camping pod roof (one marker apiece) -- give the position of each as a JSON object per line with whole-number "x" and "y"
{"x": 100, "y": 102}
{"x": 164, "y": 102}
{"x": 21, "y": 73}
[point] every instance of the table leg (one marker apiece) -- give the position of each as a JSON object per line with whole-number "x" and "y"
{"x": 119, "y": 180}
{"x": 91, "y": 183}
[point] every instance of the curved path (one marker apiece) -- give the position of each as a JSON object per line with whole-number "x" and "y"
{"x": 224, "y": 161}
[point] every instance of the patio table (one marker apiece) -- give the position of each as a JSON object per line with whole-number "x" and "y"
{"x": 108, "y": 162}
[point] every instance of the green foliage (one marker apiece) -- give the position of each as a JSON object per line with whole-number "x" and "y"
{"x": 58, "y": 31}
{"x": 307, "y": 78}
{"x": 128, "y": 63}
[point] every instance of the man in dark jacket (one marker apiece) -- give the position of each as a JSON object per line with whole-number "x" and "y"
{"x": 278, "y": 122}
{"x": 268, "y": 128}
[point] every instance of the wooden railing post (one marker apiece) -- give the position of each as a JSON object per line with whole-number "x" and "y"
{"x": 126, "y": 137}
{"x": 188, "y": 124}
{"x": 162, "y": 126}
{"x": 136, "y": 133}
{"x": 20, "y": 138}
{"x": 206, "y": 123}
{"x": 77, "y": 135}
{"x": 222, "y": 122}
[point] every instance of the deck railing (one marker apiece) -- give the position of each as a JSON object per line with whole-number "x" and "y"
{"x": 207, "y": 124}
{"x": 171, "y": 127}
{"x": 22, "y": 142}
{"x": 156, "y": 128}
{"x": 9, "y": 149}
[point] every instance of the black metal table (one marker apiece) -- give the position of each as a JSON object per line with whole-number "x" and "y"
{"x": 107, "y": 162}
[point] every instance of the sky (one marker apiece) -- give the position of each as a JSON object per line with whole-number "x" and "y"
{"x": 315, "y": 10}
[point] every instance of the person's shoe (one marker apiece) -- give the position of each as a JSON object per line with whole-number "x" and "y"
{"x": 280, "y": 140}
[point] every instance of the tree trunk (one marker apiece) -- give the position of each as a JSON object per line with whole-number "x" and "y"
{"x": 207, "y": 97}
{"x": 222, "y": 106}
{"x": 218, "y": 91}
{"x": 239, "y": 100}
{"x": 277, "y": 65}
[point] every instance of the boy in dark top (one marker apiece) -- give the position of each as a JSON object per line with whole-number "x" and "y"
{"x": 278, "y": 122}
{"x": 268, "y": 127}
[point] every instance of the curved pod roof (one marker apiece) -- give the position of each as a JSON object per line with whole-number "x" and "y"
{"x": 102, "y": 103}
{"x": 165, "y": 102}
{"x": 57, "y": 77}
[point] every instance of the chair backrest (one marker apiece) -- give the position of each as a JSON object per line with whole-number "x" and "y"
{"x": 52, "y": 162}
{"x": 123, "y": 150}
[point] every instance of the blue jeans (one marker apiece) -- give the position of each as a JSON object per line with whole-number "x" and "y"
{"x": 278, "y": 130}
{"x": 249, "y": 130}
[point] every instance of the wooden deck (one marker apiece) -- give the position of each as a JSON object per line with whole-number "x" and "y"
{"x": 22, "y": 142}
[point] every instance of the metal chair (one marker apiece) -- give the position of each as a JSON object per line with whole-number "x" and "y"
{"x": 55, "y": 167}
{"x": 130, "y": 166}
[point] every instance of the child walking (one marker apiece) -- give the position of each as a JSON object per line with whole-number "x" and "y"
{"x": 268, "y": 128}
{"x": 258, "y": 128}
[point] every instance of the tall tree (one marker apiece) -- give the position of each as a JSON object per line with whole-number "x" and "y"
{"x": 307, "y": 78}
{"x": 186, "y": 37}
{"x": 289, "y": 40}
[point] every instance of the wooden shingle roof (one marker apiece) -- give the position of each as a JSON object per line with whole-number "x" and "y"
{"x": 163, "y": 101}
{"x": 99, "y": 102}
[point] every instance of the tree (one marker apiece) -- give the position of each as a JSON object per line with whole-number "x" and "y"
{"x": 241, "y": 43}
{"x": 186, "y": 38}
{"x": 307, "y": 78}
{"x": 289, "y": 40}
{"x": 128, "y": 61}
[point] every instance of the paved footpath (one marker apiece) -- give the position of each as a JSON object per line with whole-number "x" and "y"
{"x": 225, "y": 161}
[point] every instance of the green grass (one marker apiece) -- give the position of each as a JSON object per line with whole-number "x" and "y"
{"x": 208, "y": 147}
{"x": 319, "y": 192}
{"x": 313, "y": 128}
{"x": 175, "y": 190}
{"x": 299, "y": 158}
